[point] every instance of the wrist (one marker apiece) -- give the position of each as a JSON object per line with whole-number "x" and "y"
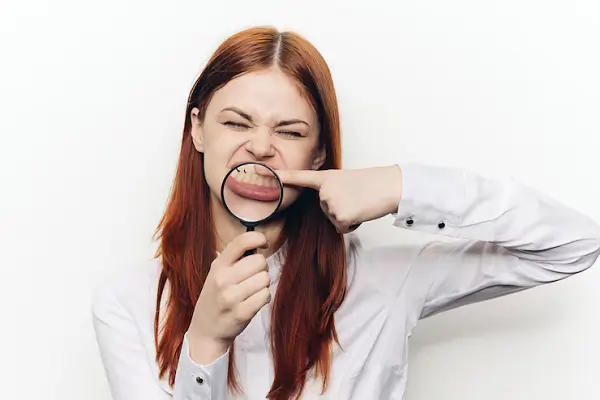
{"x": 205, "y": 350}
{"x": 395, "y": 180}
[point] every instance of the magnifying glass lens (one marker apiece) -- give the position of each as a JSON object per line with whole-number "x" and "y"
{"x": 252, "y": 193}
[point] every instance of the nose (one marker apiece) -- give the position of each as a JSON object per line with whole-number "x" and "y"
{"x": 260, "y": 145}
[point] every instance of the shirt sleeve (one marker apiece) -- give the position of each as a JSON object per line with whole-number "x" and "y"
{"x": 194, "y": 381}
{"x": 129, "y": 369}
{"x": 514, "y": 237}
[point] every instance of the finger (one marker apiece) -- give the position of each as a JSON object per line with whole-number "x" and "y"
{"x": 253, "y": 285}
{"x": 330, "y": 215}
{"x": 324, "y": 207}
{"x": 249, "y": 266}
{"x": 342, "y": 226}
{"x": 343, "y": 229}
{"x": 236, "y": 248}
{"x": 306, "y": 178}
{"x": 354, "y": 227}
{"x": 339, "y": 228}
{"x": 250, "y": 306}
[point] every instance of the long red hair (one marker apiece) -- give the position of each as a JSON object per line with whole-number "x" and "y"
{"x": 302, "y": 326}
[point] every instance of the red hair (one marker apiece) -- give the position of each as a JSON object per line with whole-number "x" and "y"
{"x": 302, "y": 326}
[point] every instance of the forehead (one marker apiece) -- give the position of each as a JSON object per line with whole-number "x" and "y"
{"x": 267, "y": 94}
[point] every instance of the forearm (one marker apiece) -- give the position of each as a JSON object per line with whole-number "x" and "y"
{"x": 205, "y": 351}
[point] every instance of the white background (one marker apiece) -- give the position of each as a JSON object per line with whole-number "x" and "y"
{"x": 92, "y": 101}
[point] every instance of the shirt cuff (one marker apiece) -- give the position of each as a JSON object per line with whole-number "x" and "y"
{"x": 434, "y": 199}
{"x": 194, "y": 381}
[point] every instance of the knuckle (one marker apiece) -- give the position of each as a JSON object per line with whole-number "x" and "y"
{"x": 240, "y": 315}
{"x": 333, "y": 215}
{"x": 215, "y": 264}
{"x": 267, "y": 296}
{"x": 262, "y": 239}
{"x": 221, "y": 281}
{"x": 257, "y": 259}
{"x": 256, "y": 235}
{"x": 243, "y": 238}
{"x": 253, "y": 238}
{"x": 264, "y": 278}
{"x": 327, "y": 189}
{"x": 226, "y": 300}
{"x": 343, "y": 218}
{"x": 261, "y": 259}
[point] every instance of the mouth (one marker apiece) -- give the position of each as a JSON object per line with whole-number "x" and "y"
{"x": 246, "y": 182}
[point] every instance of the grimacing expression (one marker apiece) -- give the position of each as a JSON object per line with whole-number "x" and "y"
{"x": 260, "y": 116}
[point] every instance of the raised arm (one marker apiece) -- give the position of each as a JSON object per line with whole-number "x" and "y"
{"x": 514, "y": 237}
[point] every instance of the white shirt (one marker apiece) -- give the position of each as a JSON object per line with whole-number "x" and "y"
{"x": 514, "y": 238}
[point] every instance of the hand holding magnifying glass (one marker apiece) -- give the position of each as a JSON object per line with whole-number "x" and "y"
{"x": 252, "y": 193}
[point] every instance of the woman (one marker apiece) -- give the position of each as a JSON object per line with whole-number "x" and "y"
{"x": 311, "y": 312}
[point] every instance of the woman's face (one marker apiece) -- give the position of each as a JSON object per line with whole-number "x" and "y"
{"x": 260, "y": 116}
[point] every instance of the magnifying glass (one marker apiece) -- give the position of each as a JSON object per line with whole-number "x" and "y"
{"x": 252, "y": 193}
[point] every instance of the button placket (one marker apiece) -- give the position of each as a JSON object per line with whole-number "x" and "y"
{"x": 200, "y": 385}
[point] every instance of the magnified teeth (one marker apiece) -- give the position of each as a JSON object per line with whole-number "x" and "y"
{"x": 248, "y": 174}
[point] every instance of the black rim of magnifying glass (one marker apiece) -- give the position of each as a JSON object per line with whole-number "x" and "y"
{"x": 252, "y": 225}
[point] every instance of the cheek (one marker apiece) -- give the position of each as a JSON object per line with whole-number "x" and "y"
{"x": 221, "y": 144}
{"x": 217, "y": 138}
{"x": 219, "y": 148}
{"x": 297, "y": 155}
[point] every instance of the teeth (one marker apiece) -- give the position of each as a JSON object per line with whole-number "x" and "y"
{"x": 247, "y": 174}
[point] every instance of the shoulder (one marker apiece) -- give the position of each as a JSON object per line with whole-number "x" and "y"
{"x": 130, "y": 292}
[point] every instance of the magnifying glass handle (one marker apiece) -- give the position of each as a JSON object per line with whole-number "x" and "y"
{"x": 249, "y": 228}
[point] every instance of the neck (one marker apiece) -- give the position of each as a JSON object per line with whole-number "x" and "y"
{"x": 227, "y": 228}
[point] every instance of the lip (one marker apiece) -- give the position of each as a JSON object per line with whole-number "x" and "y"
{"x": 253, "y": 190}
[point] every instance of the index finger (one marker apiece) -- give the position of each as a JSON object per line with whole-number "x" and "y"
{"x": 240, "y": 244}
{"x": 307, "y": 178}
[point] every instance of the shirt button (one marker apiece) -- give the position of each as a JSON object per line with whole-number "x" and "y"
{"x": 199, "y": 380}
{"x": 409, "y": 221}
{"x": 441, "y": 225}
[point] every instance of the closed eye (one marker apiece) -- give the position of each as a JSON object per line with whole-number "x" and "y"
{"x": 290, "y": 134}
{"x": 235, "y": 125}
{"x": 241, "y": 126}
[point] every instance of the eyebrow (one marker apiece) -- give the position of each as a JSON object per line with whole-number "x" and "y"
{"x": 278, "y": 124}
